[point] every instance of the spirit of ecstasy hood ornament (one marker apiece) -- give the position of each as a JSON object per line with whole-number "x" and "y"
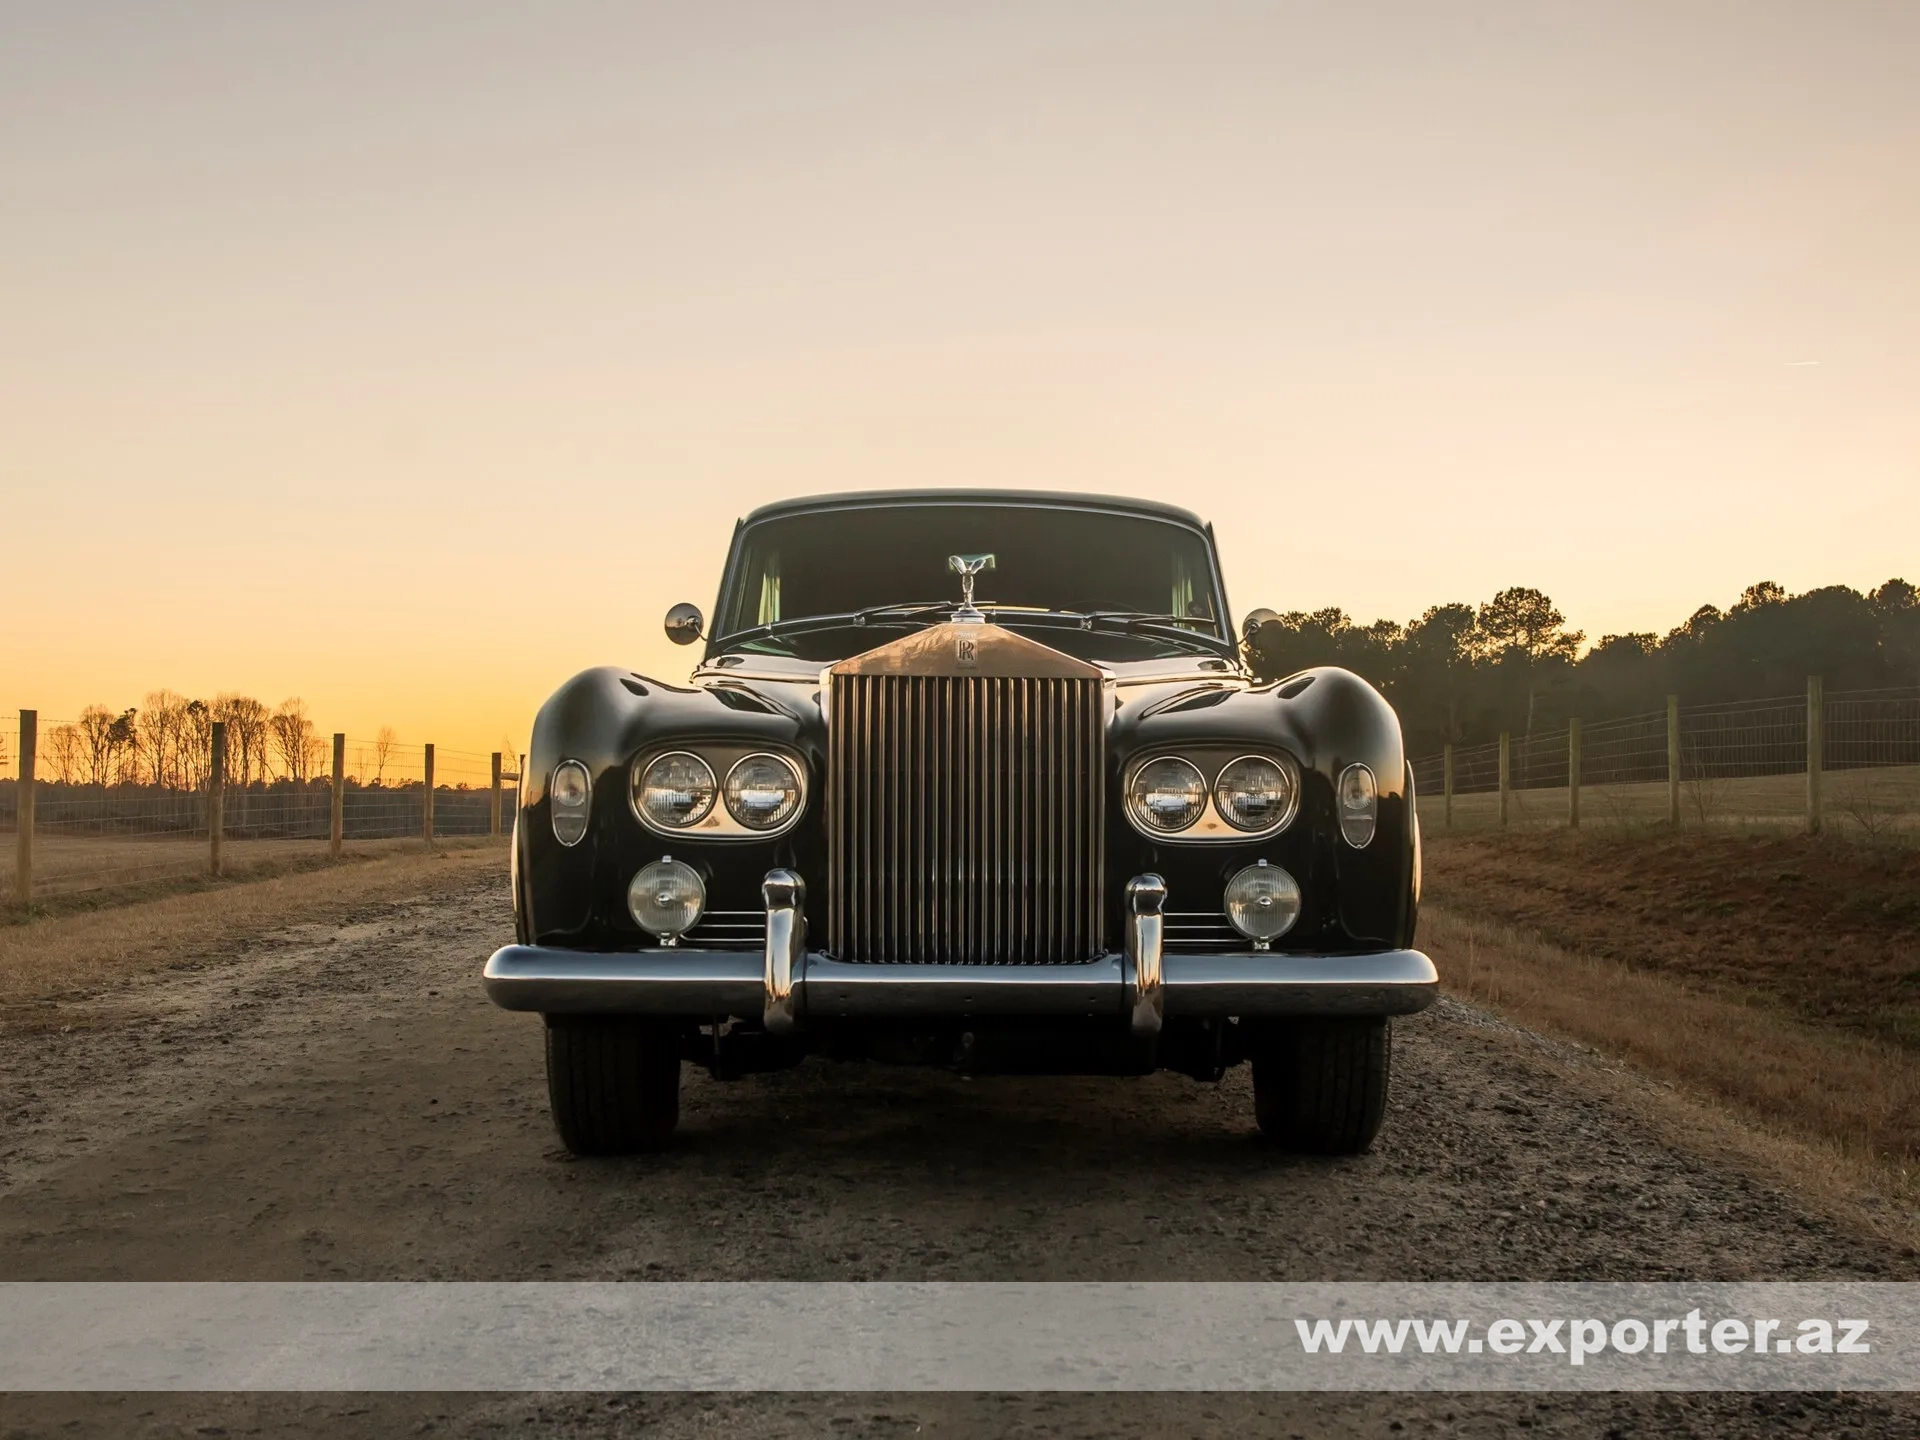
{"x": 967, "y": 567}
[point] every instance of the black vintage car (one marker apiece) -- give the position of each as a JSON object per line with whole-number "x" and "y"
{"x": 973, "y": 779}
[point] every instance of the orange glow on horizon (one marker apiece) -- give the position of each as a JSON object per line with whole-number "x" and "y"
{"x": 411, "y": 373}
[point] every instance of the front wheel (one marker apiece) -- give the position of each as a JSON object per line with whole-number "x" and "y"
{"x": 613, "y": 1082}
{"x": 1320, "y": 1086}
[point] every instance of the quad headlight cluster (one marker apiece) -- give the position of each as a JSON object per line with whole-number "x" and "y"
{"x": 761, "y": 795}
{"x": 1247, "y": 797}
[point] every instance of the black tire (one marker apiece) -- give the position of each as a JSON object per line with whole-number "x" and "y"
{"x": 613, "y": 1082}
{"x": 1320, "y": 1086}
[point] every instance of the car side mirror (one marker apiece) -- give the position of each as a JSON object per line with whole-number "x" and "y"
{"x": 1250, "y": 626}
{"x": 684, "y": 624}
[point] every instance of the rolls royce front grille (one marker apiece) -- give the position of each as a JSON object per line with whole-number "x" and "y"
{"x": 966, "y": 819}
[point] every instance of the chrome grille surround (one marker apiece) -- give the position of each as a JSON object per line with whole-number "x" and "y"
{"x": 966, "y": 814}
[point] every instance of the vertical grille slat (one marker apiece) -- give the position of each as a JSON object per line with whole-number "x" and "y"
{"x": 965, "y": 815}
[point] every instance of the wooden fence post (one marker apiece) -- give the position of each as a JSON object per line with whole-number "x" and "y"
{"x": 426, "y": 804}
{"x": 1816, "y": 748}
{"x": 217, "y": 797}
{"x": 337, "y": 830}
{"x": 23, "y": 810}
{"x": 1506, "y": 775}
{"x": 493, "y": 801}
{"x": 1673, "y": 761}
{"x": 1446, "y": 772}
{"x": 1573, "y": 774}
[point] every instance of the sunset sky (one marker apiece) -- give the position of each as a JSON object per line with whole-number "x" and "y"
{"x": 411, "y": 357}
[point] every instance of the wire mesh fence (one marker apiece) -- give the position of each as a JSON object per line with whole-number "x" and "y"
{"x": 102, "y": 825}
{"x": 1743, "y": 763}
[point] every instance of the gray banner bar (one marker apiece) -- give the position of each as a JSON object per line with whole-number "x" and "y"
{"x": 977, "y": 1337}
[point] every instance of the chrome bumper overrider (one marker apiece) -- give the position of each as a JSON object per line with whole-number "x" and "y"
{"x": 789, "y": 985}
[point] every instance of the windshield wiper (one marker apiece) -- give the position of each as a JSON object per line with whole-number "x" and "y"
{"x": 905, "y": 610}
{"x": 1133, "y": 619}
{"x": 1136, "y": 622}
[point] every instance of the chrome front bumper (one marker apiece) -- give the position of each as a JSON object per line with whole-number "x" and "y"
{"x": 788, "y": 985}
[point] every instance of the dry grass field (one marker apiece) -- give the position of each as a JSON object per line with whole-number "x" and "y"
{"x": 85, "y": 872}
{"x": 1775, "y": 978}
{"x": 1883, "y": 801}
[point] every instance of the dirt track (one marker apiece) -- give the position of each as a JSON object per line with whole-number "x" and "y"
{"x": 344, "y": 1104}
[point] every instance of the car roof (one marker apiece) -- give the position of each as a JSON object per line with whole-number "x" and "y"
{"x": 1050, "y": 499}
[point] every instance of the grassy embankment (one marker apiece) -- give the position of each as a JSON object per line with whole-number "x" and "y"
{"x": 1774, "y": 979}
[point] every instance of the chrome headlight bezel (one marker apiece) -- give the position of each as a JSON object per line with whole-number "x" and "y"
{"x": 1139, "y": 813}
{"x": 1289, "y": 772}
{"x": 797, "y": 788}
{"x": 1210, "y": 763}
{"x": 637, "y": 785}
{"x": 718, "y": 820}
{"x": 570, "y": 812}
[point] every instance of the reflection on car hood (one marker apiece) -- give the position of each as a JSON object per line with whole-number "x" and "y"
{"x": 781, "y": 672}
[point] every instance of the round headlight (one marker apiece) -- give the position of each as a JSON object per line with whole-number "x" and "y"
{"x": 675, "y": 791}
{"x": 1167, "y": 795}
{"x": 1263, "y": 901}
{"x": 1257, "y": 793}
{"x": 569, "y": 796}
{"x": 1359, "y": 805}
{"x": 763, "y": 791}
{"x": 666, "y": 898}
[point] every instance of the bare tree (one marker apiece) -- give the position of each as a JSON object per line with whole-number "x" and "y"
{"x": 1702, "y": 784}
{"x": 1857, "y": 801}
{"x": 157, "y": 731}
{"x": 196, "y": 744}
{"x": 294, "y": 740}
{"x": 96, "y": 744}
{"x": 383, "y": 744}
{"x": 65, "y": 752}
{"x": 247, "y": 736}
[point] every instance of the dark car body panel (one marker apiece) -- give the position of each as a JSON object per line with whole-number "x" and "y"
{"x": 606, "y": 718}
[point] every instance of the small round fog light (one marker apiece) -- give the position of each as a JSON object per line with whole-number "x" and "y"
{"x": 1263, "y": 901}
{"x": 667, "y": 899}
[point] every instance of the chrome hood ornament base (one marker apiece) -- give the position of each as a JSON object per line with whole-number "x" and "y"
{"x": 967, "y": 567}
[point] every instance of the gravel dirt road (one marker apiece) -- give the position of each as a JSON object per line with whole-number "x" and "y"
{"x": 342, "y": 1103}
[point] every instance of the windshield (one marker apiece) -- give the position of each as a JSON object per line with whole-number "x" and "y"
{"x": 839, "y": 562}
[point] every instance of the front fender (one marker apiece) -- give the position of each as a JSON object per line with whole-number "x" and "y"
{"x": 1327, "y": 719}
{"x": 603, "y": 718}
